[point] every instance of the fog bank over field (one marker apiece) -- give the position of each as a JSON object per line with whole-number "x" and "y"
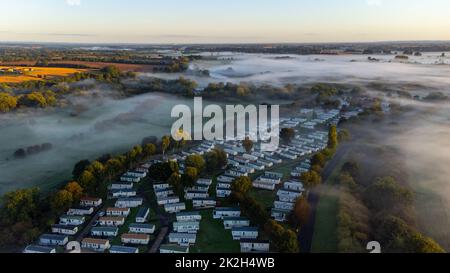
{"x": 97, "y": 124}
{"x": 430, "y": 68}
{"x": 102, "y": 126}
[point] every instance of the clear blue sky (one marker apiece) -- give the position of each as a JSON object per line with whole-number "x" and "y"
{"x": 198, "y": 21}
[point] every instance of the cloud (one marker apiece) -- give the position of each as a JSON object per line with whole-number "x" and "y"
{"x": 73, "y": 2}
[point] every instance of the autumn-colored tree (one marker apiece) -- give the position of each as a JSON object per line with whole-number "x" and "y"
{"x": 190, "y": 176}
{"x": 311, "y": 179}
{"x": 241, "y": 185}
{"x": 75, "y": 189}
{"x": 62, "y": 201}
{"x": 7, "y": 102}
{"x": 247, "y": 144}
{"x": 165, "y": 143}
{"x": 301, "y": 212}
{"x": 196, "y": 161}
{"x": 332, "y": 137}
{"x": 87, "y": 181}
{"x": 149, "y": 149}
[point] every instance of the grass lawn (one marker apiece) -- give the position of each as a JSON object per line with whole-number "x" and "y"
{"x": 325, "y": 238}
{"x": 213, "y": 238}
{"x": 264, "y": 197}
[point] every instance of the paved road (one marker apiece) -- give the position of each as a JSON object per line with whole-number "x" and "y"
{"x": 161, "y": 235}
{"x": 88, "y": 227}
{"x": 306, "y": 233}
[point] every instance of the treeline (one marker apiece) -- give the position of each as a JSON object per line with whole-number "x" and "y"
{"x": 31, "y": 150}
{"x": 382, "y": 211}
{"x": 26, "y": 213}
{"x": 283, "y": 240}
{"x": 42, "y": 94}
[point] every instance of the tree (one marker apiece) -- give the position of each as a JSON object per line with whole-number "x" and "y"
{"x": 160, "y": 171}
{"x": 190, "y": 176}
{"x": 175, "y": 181}
{"x": 287, "y": 134}
{"x": 97, "y": 169}
{"x": 241, "y": 185}
{"x": 34, "y": 99}
{"x": 87, "y": 181}
{"x": 62, "y": 201}
{"x": 165, "y": 143}
{"x": 134, "y": 156}
{"x": 319, "y": 159}
{"x": 386, "y": 193}
{"x": 149, "y": 149}
{"x": 301, "y": 212}
{"x": 216, "y": 159}
{"x": 352, "y": 168}
{"x": 311, "y": 179}
{"x": 247, "y": 144}
{"x": 7, "y": 102}
{"x": 79, "y": 168}
{"x": 112, "y": 167}
{"x": 75, "y": 189}
{"x": 332, "y": 137}
{"x": 20, "y": 205}
{"x": 196, "y": 161}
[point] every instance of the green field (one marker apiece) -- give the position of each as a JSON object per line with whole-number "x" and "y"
{"x": 325, "y": 238}
{"x": 213, "y": 238}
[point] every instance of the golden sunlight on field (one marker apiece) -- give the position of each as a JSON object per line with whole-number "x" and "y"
{"x": 15, "y": 74}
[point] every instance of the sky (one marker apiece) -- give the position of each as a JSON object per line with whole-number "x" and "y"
{"x": 223, "y": 21}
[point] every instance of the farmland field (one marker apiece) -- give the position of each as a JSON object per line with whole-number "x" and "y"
{"x": 36, "y": 73}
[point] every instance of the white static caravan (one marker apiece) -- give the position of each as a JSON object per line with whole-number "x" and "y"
{"x": 224, "y": 185}
{"x": 188, "y": 216}
{"x": 223, "y": 192}
{"x": 283, "y": 205}
{"x": 132, "y": 202}
{"x": 225, "y": 179}
{"x": 288, "y": 195}
{"x": 53, "y": 240}
{"x": 142, "y": 215}
{"x": 111, "y": 221}
{"x": 161, "y": 193}
{"x": 263, "y": 185}
{"x": 168, "y": 200}
{"x": 135, "y": 239}
{"x": 117, "y": 211}
{"x": 161, "y": 186}
{"x": 90, "y": 202}
{"x": 232, "y": 222}
{"x": 280, "y": 215}
{"x": 141, "y": 228}
{"x": 122, "y": 186}
{"x": 81, "y": 211}
{"x": 71, "y": 220}
{"x": 36, "y": 249}
{"x": 173, "y": 208}
{"x": 65, "y": 229}
{"x": 202, "y": 203}
{"x": 98, "y": 245}
{"x": 186, "y": 227}
{"x": 204, "y": 181}
{"x": 136, "y": 174}
{"x": 254, "y": 246}
{"x": 182, "y": 239}
{"x": 294, "y": 186}
{"x": 244, "y": 233}
{"x": 221, "y": 212}
{"x": 189, "y": 195}
{"x": 104, "y": 231}
{"x": 173, "y": 249}
{"x": 128, "y": 178}
{"x": 123, "y": 193}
